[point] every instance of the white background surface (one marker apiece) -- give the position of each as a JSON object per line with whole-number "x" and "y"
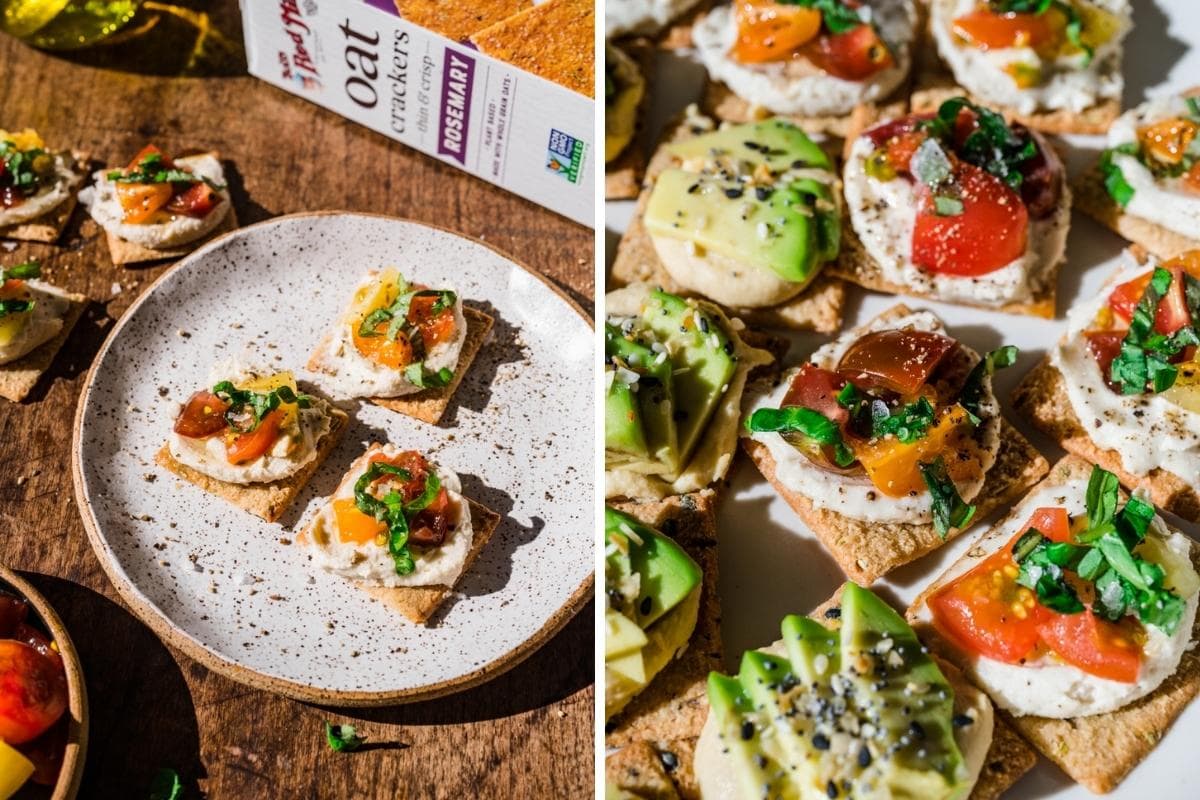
{"x": 771, "y": 565}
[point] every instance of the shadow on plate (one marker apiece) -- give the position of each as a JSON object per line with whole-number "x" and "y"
{"x": 502, "y": 347}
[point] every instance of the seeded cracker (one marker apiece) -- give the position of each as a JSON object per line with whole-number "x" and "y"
{"x": 1008, "y": 757}
{"x": 868, "y": 550}
{"x": 427, "y": 405}
{"x": 17, "y": 378}
{"x": 554, "y": 40}
{"x": 458, "y": 21}
{"x": 1097, "y": 751}
{"x": 1093, "y": 199}
{"x": 265, "y": 500}
{"x": 49, "y": 227}
{"x": 817, "y": 308}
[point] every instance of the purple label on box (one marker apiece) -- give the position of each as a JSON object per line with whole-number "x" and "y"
{"x": 458, "y": 72}
{"x": 385, "y": 5}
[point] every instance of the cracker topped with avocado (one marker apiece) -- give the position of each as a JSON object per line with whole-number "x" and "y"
{"x": 675, "y": 370}
{"x": 746, "y": 216}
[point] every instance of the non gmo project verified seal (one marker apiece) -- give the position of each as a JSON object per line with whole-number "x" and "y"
{"x": 565, "y": 155}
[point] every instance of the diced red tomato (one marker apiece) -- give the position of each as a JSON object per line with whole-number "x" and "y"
{"x": 1096, "y": 646}
{"x": 241, "y": 448}
{"x": 990, "y": 232}
{"x": 900, "y": 149}
{"x": 986, "y": 30}
{"x": 435, "y": 328}
{"x": 897, "y": 360}
{"x": 817, "y": 388}
{"x": 150, "y": 150}
{"x": 12, "y": 288}
{"x": 880, "y": 134}
{"x": 1105, "y": 346}
{"x": 854, "y": 55}
{"x": 1053, "y": 523}
{"x": 769, "y": 31}
{"x": 1172, "y": 312}
{"x": 411, "y": 462}
{"x": 139, "y": 201}
{"x": 33, "y": 692}
{"x": 986, "y": 612}
{"x": 195, "y": 201}
{"x": 203, "y": 415}
{"x": 429, "y": 527}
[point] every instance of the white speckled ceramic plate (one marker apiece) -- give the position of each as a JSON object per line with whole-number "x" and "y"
{"x": 236, "y": 593}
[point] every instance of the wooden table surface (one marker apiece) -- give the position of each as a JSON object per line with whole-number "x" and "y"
{"x": 526, "y": 734}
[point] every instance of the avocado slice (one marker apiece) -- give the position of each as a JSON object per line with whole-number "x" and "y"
{"x": 654, "y": 399}
{"x": 702, "y": 357}
{"x": 776, "y": 143}
{"x": 800, "y": 709}
{"x": 667, "y": 574}
{"x": 622, "y": 635}
{"x": 623, "y": 431}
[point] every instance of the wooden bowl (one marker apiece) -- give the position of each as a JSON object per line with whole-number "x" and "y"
{"x": 71, "y": 774}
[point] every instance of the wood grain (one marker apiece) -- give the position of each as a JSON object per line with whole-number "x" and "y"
{"x": 528, "y": 733}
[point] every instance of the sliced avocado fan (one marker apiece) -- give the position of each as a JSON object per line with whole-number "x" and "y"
{"x": 763, "y": 196}
{"x": 853, "y": 712}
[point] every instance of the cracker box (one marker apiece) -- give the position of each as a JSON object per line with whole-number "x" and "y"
{"x": 360, "y": 59}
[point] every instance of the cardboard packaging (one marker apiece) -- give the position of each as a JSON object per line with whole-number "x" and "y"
{"x": 359, "y": 59}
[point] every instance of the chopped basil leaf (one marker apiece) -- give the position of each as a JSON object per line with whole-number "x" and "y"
{"x": 342, "y": 738}
{"x": 166, "y": 785}
{"x": 1114, "y": 180}
{"x": 810, "y": 424}
{"x": 1145, "y": 355}
{"x": 1042, "y": 563}
{"x": 372, "y": 321}
{"x": 972, "y": 393}
{"x": 247, "y": 408}
{"x": 947, "y": 206}
{"x": 907, "y": 423}
{"x": 21, "y": 272}
{"x": 1103, "y": 492}
{"x": 417, "y": 375}
{"x": 835, "y": 14}
{"x": 391, "y": 509}
{"x": 25, "y": 170}
{"x": 15, "y": 307}
{"x": 949, "y": 510}
{"x": 993, "y": 146}
{"x": 1074, "y": 27}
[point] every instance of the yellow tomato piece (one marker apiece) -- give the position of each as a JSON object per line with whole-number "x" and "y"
{"x": 1185, "y": 392}
{"x": 268, "y": 383}
{"x": 380, "y": 293}
{"x": 892, "y": 465}
{"x": 15, "y": 769}
{"x": 1097, "y": 25}
{"x": 27, "y": 139}
{"x": 353, "y": 525}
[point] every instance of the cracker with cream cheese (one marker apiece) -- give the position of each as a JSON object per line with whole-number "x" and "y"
{"x": 17, "y": 378}
{"x": 1097, "y": 751}
{"x": 265, "y": 500}
{"x": 427, "y": 405}
{"x": 1093, "y": 199}
{"x": 124, "y": 252}
{"x": 868, "y": 550}
{"x": 49, "y": 227}
{"x": 719, "y": 101}
{"x": 817, "y": 308}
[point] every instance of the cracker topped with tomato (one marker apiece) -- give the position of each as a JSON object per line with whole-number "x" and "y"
{"x": 251, "y": 436}
{"x": 158, "y": 203}
{"x": 403, "y": 345}
{"x": 1078, "y": 606}
{"x": 399, "y": 524}
{"x": 1146, "y": 185}
{"x": 807, "y": 59}
{"x": 1037, "y": 57}
{"x": 1122, "y": 386}
{"x": 36, "y": 186}
{"x": 893, "y": 425}
{"x": 35, "y": 319}
{"x": 957, "y": 206}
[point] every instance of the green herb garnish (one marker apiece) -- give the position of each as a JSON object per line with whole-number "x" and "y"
{"x": 417, "y": 375}
{"x": 21, "y": 272}
{"x": 342, "y": 738}
{"x": 247, "y": 408}
{"x": 872, "y": 418}
{"x": 1114, "y": 180}
{"x": 992, "y": 146}
{"x": 972, "y": 393}
{"x": 25, "y": 170}
{"x": 949, "y": 510}
{"x": 166, "y": 785}
{"x": 812, "y": 425}
{"x": 835, "y": 14}
{"x": 391, "y": 509}
{"x": 1145, "y": 355}
{"x": 1103, "y": 555}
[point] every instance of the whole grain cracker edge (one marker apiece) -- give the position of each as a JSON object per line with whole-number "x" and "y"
{"x": 18, "y": 378}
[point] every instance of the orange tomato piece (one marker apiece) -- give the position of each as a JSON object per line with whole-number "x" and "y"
{"x": 768, "y": 31}
{"x": 854, "y": 55}
{"x": 1098, "y": 647}
{"x": 12, "y": 288}
{"x": 1191, "y": 178}
{"x": 893, "y": 466}
{"x": 149, "y": 150}
{"x": 241, "y": 448}
{"x": 984, "y": 29}
{"x": 139, "y": 201}
{"x": 33, "y": 692}
{"x": 435, "y": 328}
{"x": 900, "y": 148}
{"x": 392, "y": 353}
{"x": 353, "y": 525}
{"x": 1167, "y": 140}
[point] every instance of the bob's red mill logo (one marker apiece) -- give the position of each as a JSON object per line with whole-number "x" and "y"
{"x": 297, "y": 65}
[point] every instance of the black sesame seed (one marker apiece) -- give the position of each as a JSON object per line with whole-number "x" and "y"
{"x": 820, "y": 741}
{"x": 747, "y": 730}
{"x": 831, "y": 790}
{"x": 704, "y": 324}
{"x": 916, "y": 730}
{"x": 763, "y": 193}
{"x": 733, "y": 193}
{"x": 645, "y": 605}
{"x": 961, "y": 720}
{"x": 695, "y": 187}
{"x": 833, "y": 613}
{"x": 669, "y": 760}
{"x": 864, "y": 757}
